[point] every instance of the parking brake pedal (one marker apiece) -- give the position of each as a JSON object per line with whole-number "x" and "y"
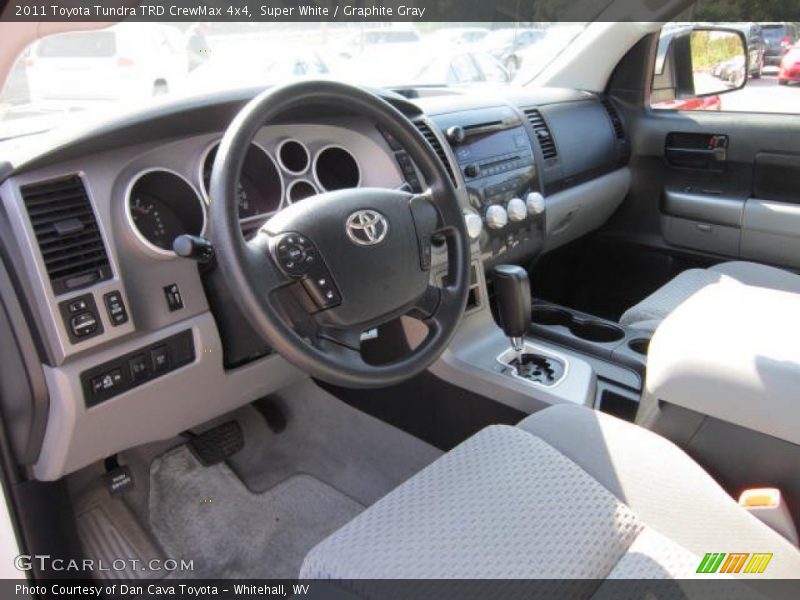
{"x": 217, "y": 444}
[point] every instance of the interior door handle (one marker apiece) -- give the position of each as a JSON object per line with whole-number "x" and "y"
{"x": 696, "y": 158}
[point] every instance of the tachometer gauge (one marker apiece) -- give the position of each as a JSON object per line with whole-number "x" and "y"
{"x": 146, "y": 214}
{"x": 161, "y": 206}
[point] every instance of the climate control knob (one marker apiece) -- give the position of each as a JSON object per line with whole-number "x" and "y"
{"x": 517, "y": 211}
{"x": 535, "y": 203}
{"x": 496, "y": 217}
{"x": 474, "y": 224}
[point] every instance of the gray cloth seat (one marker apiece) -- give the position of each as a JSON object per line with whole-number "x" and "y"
{"x": 647, "y": 314}
{"x": 570, "y": 493}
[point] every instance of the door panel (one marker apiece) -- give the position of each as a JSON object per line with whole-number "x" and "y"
{"x": 694, "y": 195}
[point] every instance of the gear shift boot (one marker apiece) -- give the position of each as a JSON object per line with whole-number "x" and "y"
{"x": 538, "y": 368}
{"x": 533, "y": 366}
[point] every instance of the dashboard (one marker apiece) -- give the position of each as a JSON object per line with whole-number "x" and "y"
{"x": 131, "y": 343}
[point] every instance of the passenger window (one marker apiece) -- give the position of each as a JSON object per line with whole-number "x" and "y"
{"x": 770, "y": 70}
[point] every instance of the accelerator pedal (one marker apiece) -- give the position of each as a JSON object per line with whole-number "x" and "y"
{"x": 217, "y": 444}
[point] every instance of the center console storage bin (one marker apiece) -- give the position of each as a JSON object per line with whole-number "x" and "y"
{"x": 732, "y": 353}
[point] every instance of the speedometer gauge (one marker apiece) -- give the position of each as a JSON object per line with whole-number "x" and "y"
{"x": 161, "y": 206}
{"x": 260, "y": 187}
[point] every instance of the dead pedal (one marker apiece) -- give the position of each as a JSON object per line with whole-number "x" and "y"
{"x": 217, "y": 444}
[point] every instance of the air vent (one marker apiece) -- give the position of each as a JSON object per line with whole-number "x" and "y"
{"x": 437, "y": 147}
{"x": 616, "y": 122}
{"x": 67, "y": 232}
{"x": 542, "y": 131}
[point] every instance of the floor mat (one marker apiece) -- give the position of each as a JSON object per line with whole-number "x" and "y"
{"x": 206, "y": 514}
{"x": 355, "y": 453}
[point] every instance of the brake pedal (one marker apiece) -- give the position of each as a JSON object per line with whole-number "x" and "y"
{"x": 217, "y": 444}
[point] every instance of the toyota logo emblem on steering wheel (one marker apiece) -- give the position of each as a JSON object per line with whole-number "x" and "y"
{"x": 366, "y": 227}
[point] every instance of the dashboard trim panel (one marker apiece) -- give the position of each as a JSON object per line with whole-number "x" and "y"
{"x": 45, "y": 302}
{"x": 283, "y": 166}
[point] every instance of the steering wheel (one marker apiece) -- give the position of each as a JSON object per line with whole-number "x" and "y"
{"x": 322, "y": 271}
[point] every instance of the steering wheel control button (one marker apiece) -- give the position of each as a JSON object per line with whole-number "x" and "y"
{"x": 115, "y": 308}
{"x": 295, "y": 254}
{"x": 173, "y": 295}
{"x": 322, "y": 290}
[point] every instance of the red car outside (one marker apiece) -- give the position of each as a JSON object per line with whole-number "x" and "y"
{"x": 705, "y": 103}
{"x": 790, "y": 66}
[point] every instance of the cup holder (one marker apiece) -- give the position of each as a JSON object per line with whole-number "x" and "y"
{"x": 639, "y": 345}
{"x": 551, "y": 316}
{"x": 585, "y": 329}
{"x": 597, "y": 331}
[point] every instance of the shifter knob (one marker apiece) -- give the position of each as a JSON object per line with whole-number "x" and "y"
{"x": 513, "y": 293}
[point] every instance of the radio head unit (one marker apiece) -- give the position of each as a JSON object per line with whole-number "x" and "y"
{"x": 495, "y": 155}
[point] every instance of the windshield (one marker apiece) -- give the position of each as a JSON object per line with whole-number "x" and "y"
{"x": 88, "y": 74}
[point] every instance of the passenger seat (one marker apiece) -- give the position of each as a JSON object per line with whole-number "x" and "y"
{"x": 649, "y": 313}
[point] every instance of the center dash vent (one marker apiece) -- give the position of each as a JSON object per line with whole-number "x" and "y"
{"x": 616, "y": 122}
{"x": 542, "y": 131}
{"x": 428, "y": 134}
{"x": 66, "y": 230}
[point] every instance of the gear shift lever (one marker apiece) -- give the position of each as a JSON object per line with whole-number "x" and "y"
{"x": 513, "y": 293}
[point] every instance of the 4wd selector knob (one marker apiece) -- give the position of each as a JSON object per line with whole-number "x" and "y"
{"x": 517, "y": 211}
{"x": 535, "y": 203}
{"x": 496, "y": 217}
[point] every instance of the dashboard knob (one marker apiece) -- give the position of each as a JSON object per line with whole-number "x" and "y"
{"x": 517, "y": 210}
{"x": 472, "y": 170}
{"x": 455, "y": 134}
{"x": 535, "y": 203}
{"x": 496, "y": 217}
{"x": 474, "y": 224}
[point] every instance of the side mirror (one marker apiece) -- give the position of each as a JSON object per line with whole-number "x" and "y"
{"x": 698, "y": 62}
